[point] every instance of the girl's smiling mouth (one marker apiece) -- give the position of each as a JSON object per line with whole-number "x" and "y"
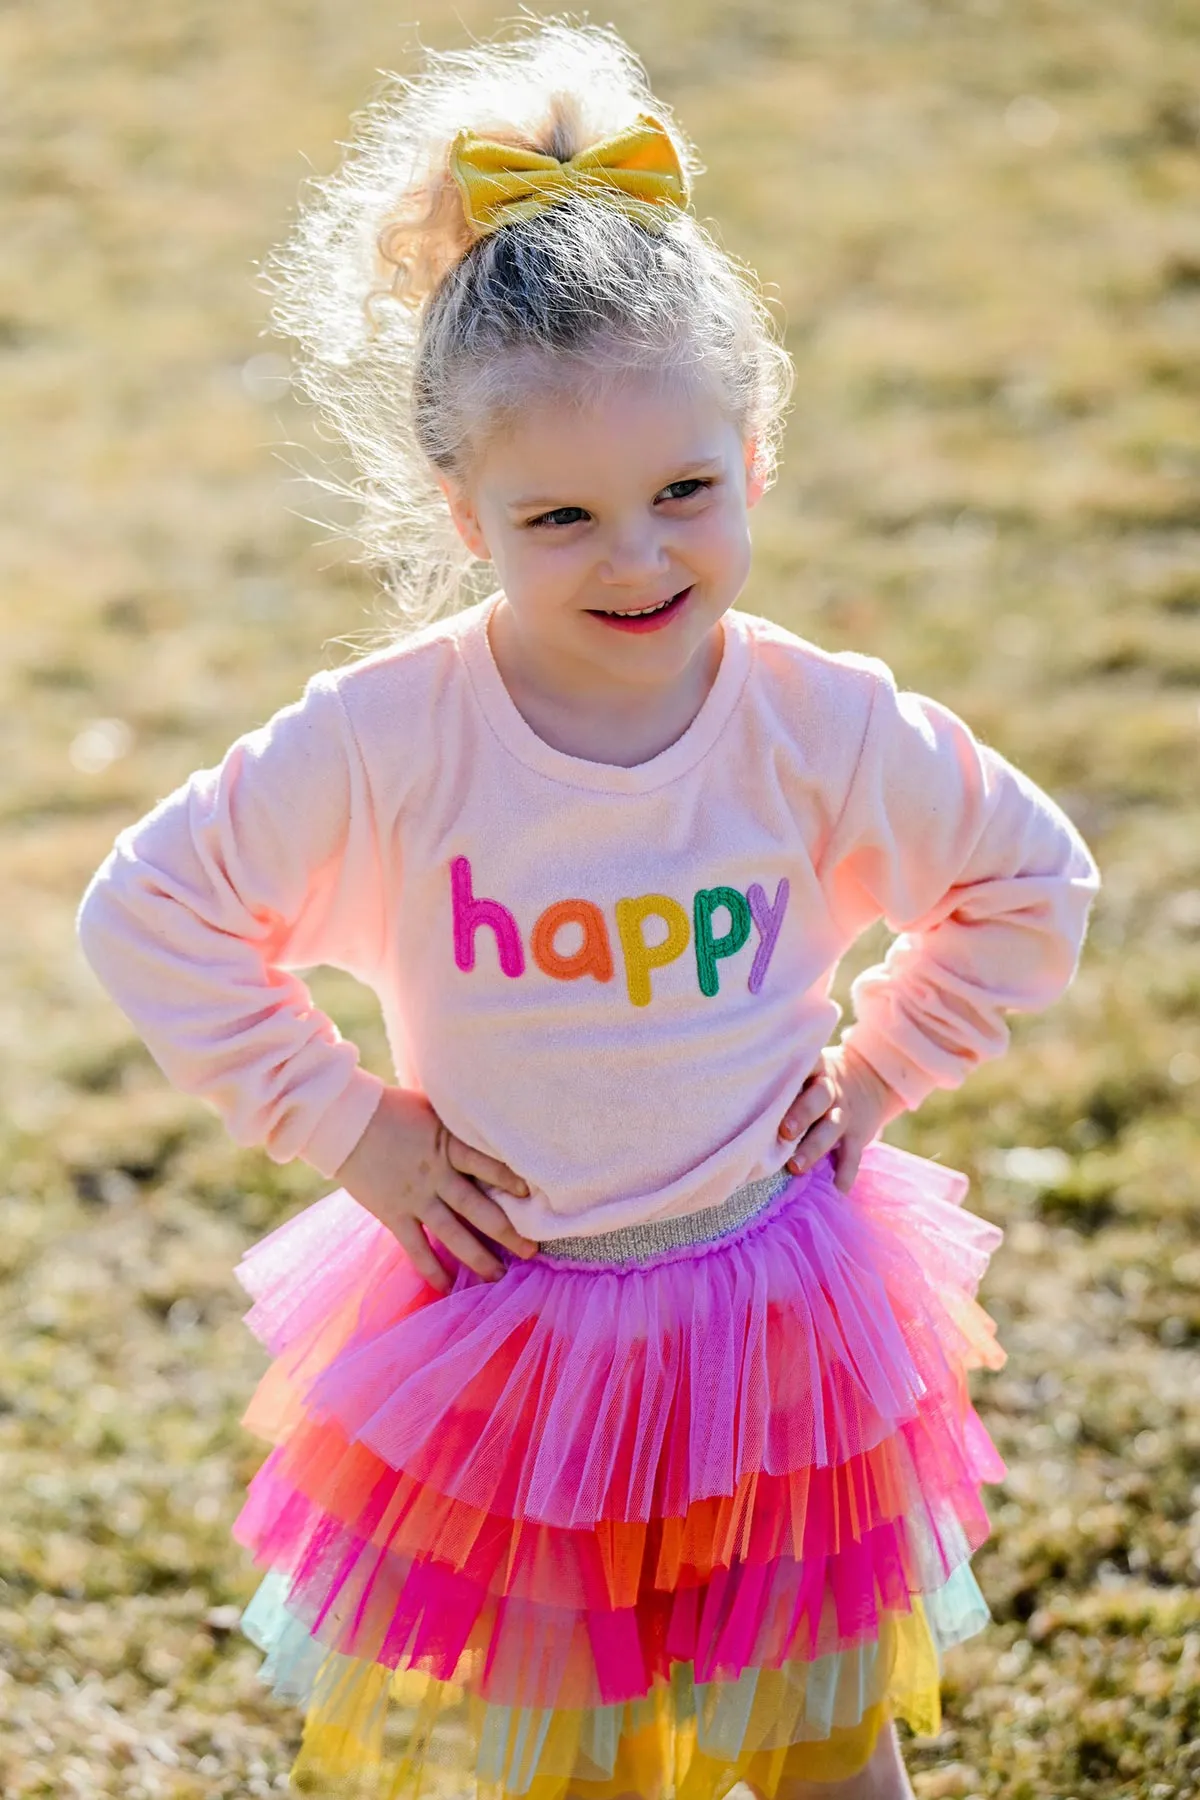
{"x": 649, "y": 619}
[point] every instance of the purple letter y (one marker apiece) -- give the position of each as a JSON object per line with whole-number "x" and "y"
{"x": 768, "y": 920}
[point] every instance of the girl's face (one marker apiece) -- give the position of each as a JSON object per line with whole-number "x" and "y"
{"x": 618, "y": 527}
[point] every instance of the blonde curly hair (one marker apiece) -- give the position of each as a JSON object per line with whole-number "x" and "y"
{"x": 416, "y": 337}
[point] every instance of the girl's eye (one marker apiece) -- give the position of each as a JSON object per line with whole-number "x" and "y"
{"x": 562, "y": 515}
{"x": 684, "y": 490}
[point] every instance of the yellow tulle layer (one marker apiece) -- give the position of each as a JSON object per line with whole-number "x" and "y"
{"x": 377, "y": 1734}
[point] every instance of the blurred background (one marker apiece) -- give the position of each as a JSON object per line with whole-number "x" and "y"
{"x": 981, "y": 221}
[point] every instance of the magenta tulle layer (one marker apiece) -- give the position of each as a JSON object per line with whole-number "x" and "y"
{"x": 732, "y": 1456}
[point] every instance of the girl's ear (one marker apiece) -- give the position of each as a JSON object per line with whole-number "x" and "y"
{"x": 466, "y": 521}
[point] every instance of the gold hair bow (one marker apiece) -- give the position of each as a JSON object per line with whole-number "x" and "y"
{"x": 634, "y": 168}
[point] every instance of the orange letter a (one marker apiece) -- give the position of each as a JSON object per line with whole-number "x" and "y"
{"x": 594, "y": 955}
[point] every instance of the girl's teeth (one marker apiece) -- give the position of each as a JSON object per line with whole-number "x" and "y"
{"x": 643, "y": 611}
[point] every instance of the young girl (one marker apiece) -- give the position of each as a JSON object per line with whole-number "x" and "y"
{"x": 621, "y": 1435}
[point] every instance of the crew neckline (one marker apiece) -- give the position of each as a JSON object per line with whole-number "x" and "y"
{"x": 523, "y": 742}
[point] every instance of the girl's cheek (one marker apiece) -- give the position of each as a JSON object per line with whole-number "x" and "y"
{"x": 720, "y": 538}
{"x": 529, "y": 563}
{"x": 562, "y": 564}
{"x": 543, "y": 571}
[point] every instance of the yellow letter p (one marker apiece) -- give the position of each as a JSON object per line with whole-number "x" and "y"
{"x": 641, "y": 957}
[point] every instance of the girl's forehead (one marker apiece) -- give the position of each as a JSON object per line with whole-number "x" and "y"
{"x": 641, "y": 426}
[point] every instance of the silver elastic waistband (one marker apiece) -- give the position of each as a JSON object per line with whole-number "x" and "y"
{"x": 632, "y": 1243}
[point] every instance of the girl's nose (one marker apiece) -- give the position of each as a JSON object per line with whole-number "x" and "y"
{"x": 634, "y": 555}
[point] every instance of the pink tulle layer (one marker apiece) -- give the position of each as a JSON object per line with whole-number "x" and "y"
{"x": 804, "y": 1341}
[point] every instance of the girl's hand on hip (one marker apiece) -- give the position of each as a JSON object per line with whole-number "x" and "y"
{"x": 843, "y": 1103}
{"x": 421, "y": 1181}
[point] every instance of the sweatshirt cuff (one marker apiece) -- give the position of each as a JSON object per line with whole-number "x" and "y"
{"x": 343, "y": 1123}
{"x": 903, "y": 1076}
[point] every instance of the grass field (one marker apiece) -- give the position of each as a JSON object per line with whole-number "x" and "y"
{"x": 982, "y": 221}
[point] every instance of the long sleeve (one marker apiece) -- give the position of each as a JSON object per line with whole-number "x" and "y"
{"x": 982, "y": 875}
{"x": 268, "y": 863}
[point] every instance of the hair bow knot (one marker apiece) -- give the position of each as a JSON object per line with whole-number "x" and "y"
{"x": 634, "y": 168}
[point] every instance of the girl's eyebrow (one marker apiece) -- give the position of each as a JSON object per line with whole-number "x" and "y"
{"x": 699, "y": 465}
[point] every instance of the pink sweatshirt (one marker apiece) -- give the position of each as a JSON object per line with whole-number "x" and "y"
{"x": 614, "y": 979}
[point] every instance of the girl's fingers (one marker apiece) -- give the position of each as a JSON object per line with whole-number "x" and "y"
{"x": 483, "y": 1212}
{"x": 461, "y": 1192}
{"x": 811, "y": 1103}
{"x": 461, "y": 1241}
{"x": 486, "y": 1215}
{"x": 820, "y": 1139}
{"x": 421, "y": 1253}
{"x": 849, "y": 1156}
{"x": 469, "y": 1161}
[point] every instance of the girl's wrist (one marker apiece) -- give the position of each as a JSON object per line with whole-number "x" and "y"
{"x": 346, "y": 1124}
{"x": 893, "y": 1101}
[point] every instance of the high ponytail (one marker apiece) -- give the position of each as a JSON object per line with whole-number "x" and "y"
{"x": 416, "y": 335}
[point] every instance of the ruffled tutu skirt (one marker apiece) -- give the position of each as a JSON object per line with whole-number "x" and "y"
{"x": 651, "y": 1527}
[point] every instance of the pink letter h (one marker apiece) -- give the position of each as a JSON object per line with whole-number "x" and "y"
{"x": 470, "y": 914}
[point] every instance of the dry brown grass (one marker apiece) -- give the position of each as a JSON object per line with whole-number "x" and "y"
{"x": 991, "y": 482}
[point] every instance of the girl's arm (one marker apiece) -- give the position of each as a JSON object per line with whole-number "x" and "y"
{"x": 982, "y": 875}
{"x": 269, "y": 862}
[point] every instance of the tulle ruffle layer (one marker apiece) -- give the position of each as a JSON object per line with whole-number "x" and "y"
{"x": 827, "y": 1707}
{"x": 584, "y": 1508}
